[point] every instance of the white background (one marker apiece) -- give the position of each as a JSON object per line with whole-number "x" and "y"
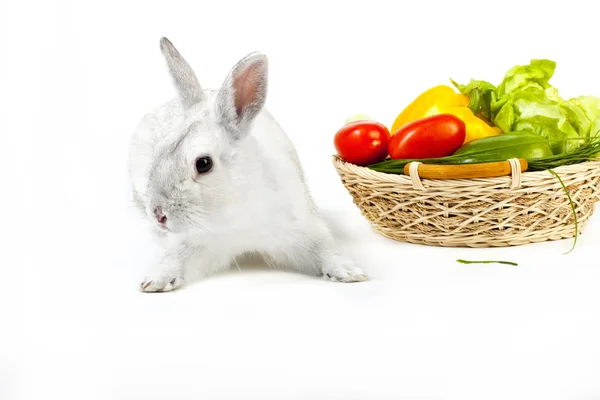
{"x": 75, "y": 77}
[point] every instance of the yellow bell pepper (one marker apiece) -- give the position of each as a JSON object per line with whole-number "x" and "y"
{"x": 443, "y": 99}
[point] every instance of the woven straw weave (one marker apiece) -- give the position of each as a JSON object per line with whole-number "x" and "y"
{"x": 483, "y": 212}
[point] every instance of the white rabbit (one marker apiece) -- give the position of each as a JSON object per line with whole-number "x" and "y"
{"x": 218, "y": 178}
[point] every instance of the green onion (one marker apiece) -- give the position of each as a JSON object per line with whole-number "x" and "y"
{"x": 587, "y": 152}
{"x": 572, "y": 208}
{"x": 487, "y": 262}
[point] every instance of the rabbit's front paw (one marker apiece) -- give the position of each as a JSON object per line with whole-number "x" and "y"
{"x": 342, "y": 270}
{"x": 161, "y": 281}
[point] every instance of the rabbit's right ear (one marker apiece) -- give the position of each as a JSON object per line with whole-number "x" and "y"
{"x": 186, "y": 83}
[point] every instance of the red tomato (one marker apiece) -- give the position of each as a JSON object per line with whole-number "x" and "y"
{"x": 362, "y": 142}
{"x": 437, "y": 136}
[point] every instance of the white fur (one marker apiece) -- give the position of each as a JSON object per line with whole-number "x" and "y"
{"x": 253, "y": 201}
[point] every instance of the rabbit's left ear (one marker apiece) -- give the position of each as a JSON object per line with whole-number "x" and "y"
{"x": 184, "y": 79}
{"x": 243, "y": 93}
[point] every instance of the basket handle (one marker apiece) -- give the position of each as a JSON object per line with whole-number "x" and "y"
{"x": 514, "y": 167}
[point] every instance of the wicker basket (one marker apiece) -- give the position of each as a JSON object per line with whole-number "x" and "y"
{"x": 484, "y": 212}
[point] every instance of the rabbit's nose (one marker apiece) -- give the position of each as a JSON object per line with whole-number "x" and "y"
{"x": 160, "y": 216}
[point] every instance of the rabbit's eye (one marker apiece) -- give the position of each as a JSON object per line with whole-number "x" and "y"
{"x": 203, "y": 165}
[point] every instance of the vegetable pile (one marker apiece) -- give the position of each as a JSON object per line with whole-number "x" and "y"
{"x": 522, "y": 117}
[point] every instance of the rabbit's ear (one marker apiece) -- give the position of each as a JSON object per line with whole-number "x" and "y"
{"x": 186, "y": 83}
{"x": 243, "y": 93}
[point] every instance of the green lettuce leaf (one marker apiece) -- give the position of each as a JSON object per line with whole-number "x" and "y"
{"x": 523, "y": 77}
{"x": 526, "y": 101}
{"x": 590, "y": 106}
{"x": 481, "y": 93}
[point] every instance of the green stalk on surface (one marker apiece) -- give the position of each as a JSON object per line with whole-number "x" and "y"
{"x": 487, "y": 262}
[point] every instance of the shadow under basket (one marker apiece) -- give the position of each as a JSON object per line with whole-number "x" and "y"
{"x": 511, "y": 210}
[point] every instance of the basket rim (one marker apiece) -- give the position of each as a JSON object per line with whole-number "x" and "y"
{"x": 342, "y": 165}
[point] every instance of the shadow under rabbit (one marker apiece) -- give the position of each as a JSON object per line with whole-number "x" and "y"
{"x": 246, "y": 264}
